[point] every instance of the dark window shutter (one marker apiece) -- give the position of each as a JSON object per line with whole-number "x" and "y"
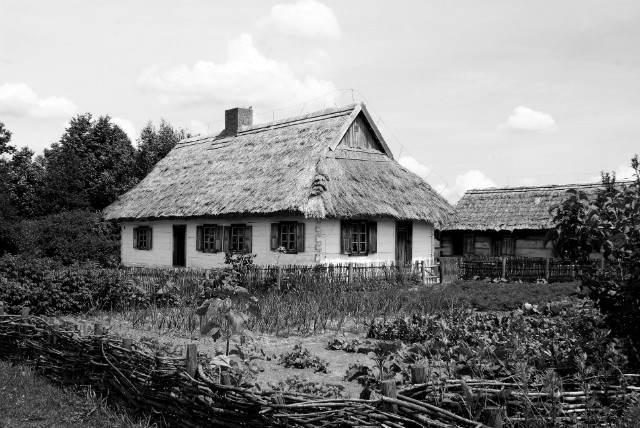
{"x": 509, "y": 245}
{"x": 247, "y": 238}
{"x": 149, "y": 237}
{"x": 345, "y": 237}
{"x": 300, "y": 237}
{"x": 225, "y": 238}
{"x": 469, "y": 244}
{"x": 199, "y": 237}
{"x": 135, "y": 237}
{"x": 217, "y": 237}
{"x": 275, "y": 227}
{"x": 373, "y": 237}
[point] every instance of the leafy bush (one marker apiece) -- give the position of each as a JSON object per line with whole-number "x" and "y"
{"x": 301, "y": 358}
{"x": 70, "y": 237}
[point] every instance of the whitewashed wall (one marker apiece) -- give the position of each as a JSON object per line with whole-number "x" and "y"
{"x": 322, "y": 243}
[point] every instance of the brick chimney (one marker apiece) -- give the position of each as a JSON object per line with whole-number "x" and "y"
{"x": 236, "y": 119}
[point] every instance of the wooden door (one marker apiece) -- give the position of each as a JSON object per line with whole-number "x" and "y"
{"x": 179, "y": 245}
{"x": 404, "y": 234}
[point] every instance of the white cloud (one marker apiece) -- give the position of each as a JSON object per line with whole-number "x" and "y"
{"x": 414, "y": 166}
{"x": 127, "y": 127}
{"x": 18, "y": 99}
{"x": 472, "y": 179}
{"x": 306, "y": 18}
{"x": 247, "y": 78}
{"x": 526, "y": 119}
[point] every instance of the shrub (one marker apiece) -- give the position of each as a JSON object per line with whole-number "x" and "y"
{"x": 70, "y": 237}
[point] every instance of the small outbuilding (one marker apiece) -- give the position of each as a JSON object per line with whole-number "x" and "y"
{"x": 509, "y": 221}
{"x": 322, "y": 186}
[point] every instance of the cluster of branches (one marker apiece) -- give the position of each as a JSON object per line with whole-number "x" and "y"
{"x": 92, "y": 164}
{"x": 608, "y": 224}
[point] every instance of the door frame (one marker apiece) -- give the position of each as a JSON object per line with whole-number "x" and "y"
{"x": 406, "y": 227}
{"x": 179, "y": 229}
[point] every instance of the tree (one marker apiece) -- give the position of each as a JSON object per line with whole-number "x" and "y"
{"x": 609, "y": 224}
{"x": 5, "y": 139}
{"x": 25, "y": 180}
{"x": 91, "y": 165}
{"x": 154, "y": 144}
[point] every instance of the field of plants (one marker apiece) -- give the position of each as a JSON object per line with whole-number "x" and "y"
{"x": 530, "y": 355}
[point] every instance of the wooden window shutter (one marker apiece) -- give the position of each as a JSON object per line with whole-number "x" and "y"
{"x": 300, "y": 237}
{"x": 275, "y": 228}
{"x": 509, "y": 245}
{"x": 225, "y": 238}
{"x": 345, "y": 237}
{"x": 469, "y": 244}
{"x": 149, "y": 237}
{"x": 217, "y": 239}
{"x": 199, "y": 237}
{"x": 373, "y": 237}
{"x": 247, "y": 238}
{"x": 135, "y": 237}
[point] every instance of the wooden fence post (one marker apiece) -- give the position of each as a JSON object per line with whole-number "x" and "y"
{"x": 98, "y": 330}
{"x": 126, "y": 343}
{"x": 350, "y": 274}
{"x": 547, "y": 270}
{"x": 388, "y": 389}
{"x": 504, "y": 267}
{"x": 207, "y": 274}
{"x": 418, "y": 374}
{"x": 423, "y": 272}
{"x": 192, "y": 359}
{"x": 24, "y": 313}
{"x": 492, "y": 417}
{"x": 1, "y": 308}
{"x": 279, "y": 277}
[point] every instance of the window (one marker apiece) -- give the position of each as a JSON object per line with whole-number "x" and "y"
{"x": 359, "y": 237}
{"x": 287, "y": 234}
{"x": 237, "y": 238}
{"x": 142, "y": 237}
{"x": 208, "y": 239}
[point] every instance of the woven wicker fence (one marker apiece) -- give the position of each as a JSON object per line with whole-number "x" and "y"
{"x": 183, "y": 391}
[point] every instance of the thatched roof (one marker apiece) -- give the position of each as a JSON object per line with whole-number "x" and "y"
{"x": 289, "y": 166}
{"x": 512, "y": 208}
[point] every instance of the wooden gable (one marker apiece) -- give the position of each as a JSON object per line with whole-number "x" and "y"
{"x": 359, "y": 136}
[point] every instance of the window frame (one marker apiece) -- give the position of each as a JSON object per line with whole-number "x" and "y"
{"x": 209, "y": 232}
{"x": 296, "y": 236}
{"x": 143, "y": 235}
{"x": 367, "y": 238}
{"x": 239, "y": 236}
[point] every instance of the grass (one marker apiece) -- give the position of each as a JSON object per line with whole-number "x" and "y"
{"x": 27, "y": 400}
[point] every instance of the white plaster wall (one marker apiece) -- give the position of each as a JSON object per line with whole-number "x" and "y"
{"x": 322, "y": 243}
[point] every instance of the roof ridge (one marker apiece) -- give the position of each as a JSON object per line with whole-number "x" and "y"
{"x": 539, "y": 187}
{"x": 275, "y": 124}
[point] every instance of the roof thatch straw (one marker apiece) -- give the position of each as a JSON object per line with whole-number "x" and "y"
{"x": 292, "y": 166}
{"x": 512, "y": 208}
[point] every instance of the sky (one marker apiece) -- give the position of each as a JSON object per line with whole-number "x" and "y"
{"x": 467, "y": 94}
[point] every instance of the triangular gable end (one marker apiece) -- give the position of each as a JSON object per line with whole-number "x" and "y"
{"x": 361, "y": 132}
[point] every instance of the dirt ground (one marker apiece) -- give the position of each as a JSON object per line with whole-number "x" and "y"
{"x": 173, "y": 344}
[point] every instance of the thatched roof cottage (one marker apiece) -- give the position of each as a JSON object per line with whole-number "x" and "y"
{"x": 509, "y": 221}
{"x": 323, "y": 185}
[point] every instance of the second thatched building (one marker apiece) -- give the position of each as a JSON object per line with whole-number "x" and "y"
{"x": 323, "y": 186}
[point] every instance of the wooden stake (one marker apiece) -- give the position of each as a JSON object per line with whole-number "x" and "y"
{"x": 98, "y": 330}
{"x": 547, "y": 269}
{"x": 1, "y": 308}
{"x": 279, "y": 277}
{"x": 126, "y": 343}
{"x": 192, "y": 359}
{"x": 24, "y": 313}
{"x": 504, "y": 267}
{"x": 418, "y": 374}
{"x": 388, "y": 389}
{"x": 492, "y": 416}
{"x": 350, "y": 274}
{"x": 423, "y": 272}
